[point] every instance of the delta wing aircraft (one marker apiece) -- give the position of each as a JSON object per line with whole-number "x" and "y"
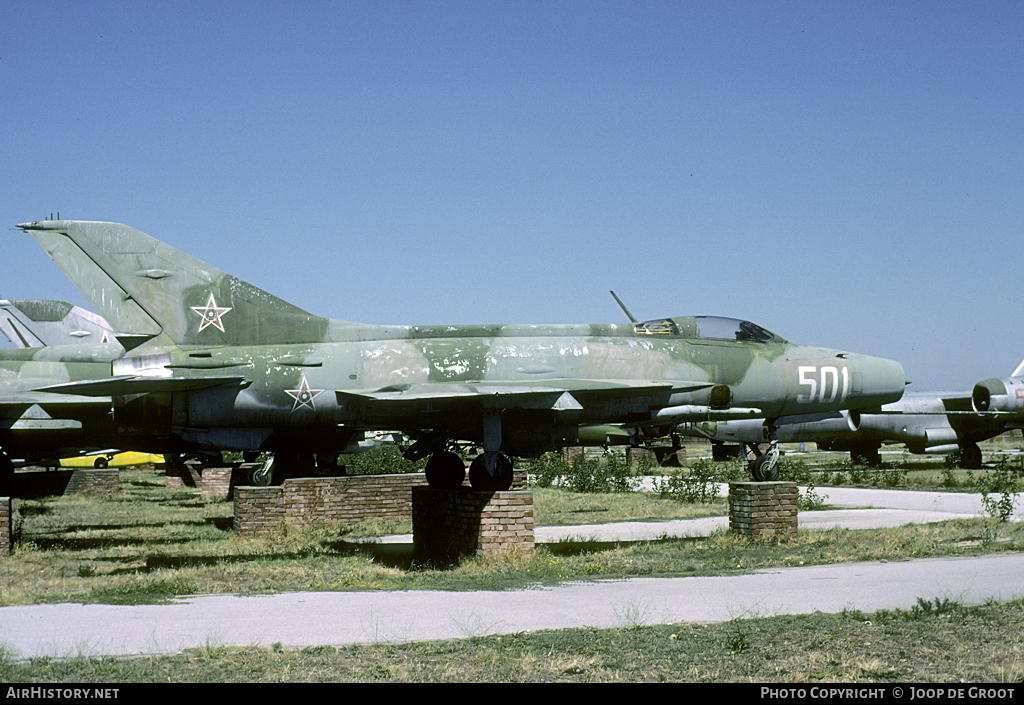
{"x": 36, "y": 323}
{"x": 926, "y": 422}
{"x": 57, "y": 342}
{"x": 216, "y": 362}
{"x": 37, "y": 426}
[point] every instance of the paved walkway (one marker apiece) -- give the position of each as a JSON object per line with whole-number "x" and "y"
{"x": 309, "y": 619}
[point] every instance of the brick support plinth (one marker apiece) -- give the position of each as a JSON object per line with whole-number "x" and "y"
{"x": 763, "y": 509}
{"x": 6, "y": 526}
{"x": 330, "y": 500}
{"x": 217, "y": 482}
{"x": 53, "y": 483}
{"x": 93, "y": 481}
{"x": 448, "y": 524}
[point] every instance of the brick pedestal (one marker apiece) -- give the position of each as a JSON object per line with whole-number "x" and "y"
{"x": 6, "y": 526}
{"x": 93, "y": 481}
{"x": 448, "y": 524}
{"x": 216, "y": 482}
{"x": 763, "y": 509}
{"x": 330, "y": 500}
{"x": 182, "y": 477}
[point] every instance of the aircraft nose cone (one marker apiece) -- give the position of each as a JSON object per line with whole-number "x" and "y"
{"x": 884, "y": 380}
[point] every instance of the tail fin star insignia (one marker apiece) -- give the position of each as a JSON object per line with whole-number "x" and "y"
{"x": 303, "y": 396}
{"x": 211, "y": 313}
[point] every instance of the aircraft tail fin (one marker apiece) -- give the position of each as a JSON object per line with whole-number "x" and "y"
{"x": 1019, "y": 372}
{"x": 35, "y": 323}
{"x": 148, "y": 289}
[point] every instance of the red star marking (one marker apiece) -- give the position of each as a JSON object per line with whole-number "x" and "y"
{"x": 303, "y": 396}
{"x": 210, "y": 313}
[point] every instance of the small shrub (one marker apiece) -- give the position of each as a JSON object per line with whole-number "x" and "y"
{"x": 1001, "y": 481}
{"x": 698, "y": 484}
{"x": 793, "y": 470}
{"x": 584, "y": 474}
{"x": 385, "y": 460}
{"x": 948, "y": 475}
{"x": 810, "y": 500}
{"x": 546, "y": 470}
{"x": 891, "y": 477}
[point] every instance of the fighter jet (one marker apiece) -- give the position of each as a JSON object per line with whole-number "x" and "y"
{"x": 36, "y": 323}
{"x": 926, "y": 422}
{"x": 41, "y": 427}
{"x": 217, "y": 362}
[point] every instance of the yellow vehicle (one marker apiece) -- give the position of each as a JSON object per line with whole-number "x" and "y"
{"x": 111, "y": 460}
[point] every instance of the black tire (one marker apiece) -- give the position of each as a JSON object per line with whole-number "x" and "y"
{"x": 6, "y": 476}
{"x": 759, "y": 469}
{"x": 445, "y": 470}
{"x": 261, "y": 475}
{"x": 483, "y": 481}
{"x": 970, "y": 456}
{"x": 866, "y": 456}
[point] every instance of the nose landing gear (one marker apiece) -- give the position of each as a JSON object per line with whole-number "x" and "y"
{"x": 764, "y": 466}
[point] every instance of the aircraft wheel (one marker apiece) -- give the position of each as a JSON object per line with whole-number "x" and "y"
{"x": 484, "y": 481}
{"x": 101, "y": 462}
{"x": 762, "y": 469}
{"x": 970, "y": 456}
{"x": 866, "y": 456}
{"x": 263, "y": 475}
{"x": 445, "y": 470}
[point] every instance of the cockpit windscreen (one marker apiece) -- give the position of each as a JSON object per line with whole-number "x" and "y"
{"x": 706, "y": 327}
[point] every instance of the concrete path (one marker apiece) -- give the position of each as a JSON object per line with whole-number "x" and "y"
{"x": 309, "y": 619}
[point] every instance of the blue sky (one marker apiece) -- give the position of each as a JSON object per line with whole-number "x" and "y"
{"x": 848, "y": 174}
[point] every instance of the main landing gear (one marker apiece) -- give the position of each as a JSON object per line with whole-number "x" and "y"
{"x": 489, "y": 471}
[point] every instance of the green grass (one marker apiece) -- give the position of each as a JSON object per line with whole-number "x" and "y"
{"x": 955, "y": 644}
{"x": 149, "y": 543}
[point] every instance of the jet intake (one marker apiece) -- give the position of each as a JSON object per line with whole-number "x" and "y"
{"x": 866, "y": 422}
{"x": 853, "y": 418}
{"x": 1005, "y": 394}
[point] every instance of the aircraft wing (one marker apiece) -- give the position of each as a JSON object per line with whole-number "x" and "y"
{"x": 554, "y": 394}
{"x": 135, "y": 384}
{"x": 36, "y": 410}
{"x": 434, "y": 390}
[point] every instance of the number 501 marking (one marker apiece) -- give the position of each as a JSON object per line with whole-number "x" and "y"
{"x": 830, "y": 384}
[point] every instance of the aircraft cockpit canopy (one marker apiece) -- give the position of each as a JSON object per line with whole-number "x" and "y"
{"x": 706, "y": 327}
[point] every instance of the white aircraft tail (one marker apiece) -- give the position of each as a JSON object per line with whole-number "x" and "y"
{"x": 36, "y": 323}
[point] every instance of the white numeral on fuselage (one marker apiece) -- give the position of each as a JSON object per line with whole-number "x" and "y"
{"x": 827, "y": 386}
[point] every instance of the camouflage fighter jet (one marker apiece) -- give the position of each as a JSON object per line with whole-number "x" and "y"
{"x": 41, "y": 427}
{"x": 926, "y": 422}
{"x": 225, "y": 364}
{"x": 36, "y": 323}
